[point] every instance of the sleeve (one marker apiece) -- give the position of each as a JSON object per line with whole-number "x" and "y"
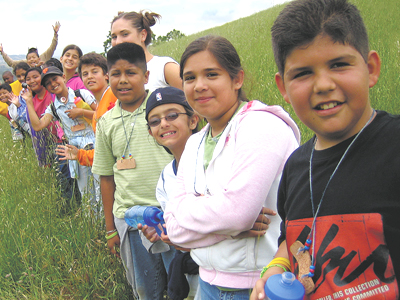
{"x": 258, "y": 162}
{"x": 161, "y": 194}
{"x": 45, "y": 56}
{"x": 88, "y": 96}
{"x": 104, "y": 159}
{"x": 85, "y": 157}
{"x": 10, "y": 62}
{"x": 48, "y": 111}
{"x": 3, "y": 109}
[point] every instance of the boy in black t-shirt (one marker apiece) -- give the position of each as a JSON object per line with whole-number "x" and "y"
{"x": 339, "y": 193}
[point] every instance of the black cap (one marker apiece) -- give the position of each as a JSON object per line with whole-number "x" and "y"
{"x": 50, "y": 71}
{"x": 166, "y": 95}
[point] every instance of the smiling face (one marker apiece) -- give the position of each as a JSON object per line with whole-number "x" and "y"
{"x": 70, "y": 59}
{"x": 33, "y": 80}
{"x": 94, "y": 78}
{"x": 127, "y": 83}
{"x": 55, "y": 84}
{"x": 209, "y": 89}
{"x": 328, "y": 85}
{"x": 5, "y": 96}
{"x": 122, "y": 31}
{"x": 32, "y": 59}
{"x": 172, "y": 134}
{"x": 20, "y": 73}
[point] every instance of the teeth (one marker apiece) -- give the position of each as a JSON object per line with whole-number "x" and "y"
{"x": 168, "y": 133}
{"x": 327, "y": 106}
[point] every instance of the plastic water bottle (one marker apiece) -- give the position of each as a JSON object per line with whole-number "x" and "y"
{"x": 82, "y": 104}
{"x": 284, "y": 286}
{"x": 149, "y": 215}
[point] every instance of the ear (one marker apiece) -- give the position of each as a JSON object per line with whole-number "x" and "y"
{"x": 146, "y": 76}
{"x": 143, "y": 35}
{"x": 238, "y": 81}
{"x": 64, "y": 77}
{"x": 194, "y": 120}
{"x": 150, "y": 132}
{"x": 374, "y": 67}
{"x": 107, "y": 77}
{"x": 281, "y": 87}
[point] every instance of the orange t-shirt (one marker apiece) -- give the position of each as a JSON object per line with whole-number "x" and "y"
{"x": 85, "y": 157}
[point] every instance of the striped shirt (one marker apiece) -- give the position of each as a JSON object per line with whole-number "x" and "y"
{"x": 133, "y": 186}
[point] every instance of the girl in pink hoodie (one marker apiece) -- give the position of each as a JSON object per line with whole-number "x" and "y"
{"x": 228, "y": 172}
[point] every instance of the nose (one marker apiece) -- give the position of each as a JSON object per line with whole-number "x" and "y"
{"x": 323, "y": 83}
{"x": 200, "y": 84}
{"x": 164, "y": 123}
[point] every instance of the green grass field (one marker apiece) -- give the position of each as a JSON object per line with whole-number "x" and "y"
{"x": 49, "y": 254}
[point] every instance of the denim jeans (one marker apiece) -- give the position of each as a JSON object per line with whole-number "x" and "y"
{"x": 149, "y": 269}
{"x": 211, "y": 292}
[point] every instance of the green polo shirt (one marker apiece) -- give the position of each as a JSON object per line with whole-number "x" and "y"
{"x": 133, "y": 186}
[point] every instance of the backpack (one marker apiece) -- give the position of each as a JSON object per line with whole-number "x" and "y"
{"x": 53, "y": 108}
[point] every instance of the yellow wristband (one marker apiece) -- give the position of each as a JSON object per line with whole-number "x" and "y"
{"x": 111, "y": 235}
{"x": 281, "y": 261}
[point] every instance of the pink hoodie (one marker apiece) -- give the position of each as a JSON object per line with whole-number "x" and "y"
{"x": 242, "y": 177}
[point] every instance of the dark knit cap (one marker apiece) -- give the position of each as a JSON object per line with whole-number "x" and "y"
{"x": 166, "y": 95}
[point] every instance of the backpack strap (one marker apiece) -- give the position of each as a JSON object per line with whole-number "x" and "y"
{"x": 78, "y": 94}
{"x": 54, "y": 111}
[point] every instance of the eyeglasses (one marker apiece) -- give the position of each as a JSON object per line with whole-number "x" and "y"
{"x": 170, "y": 117}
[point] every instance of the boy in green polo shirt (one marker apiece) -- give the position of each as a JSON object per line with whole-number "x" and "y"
{"x": 129, "y": 164}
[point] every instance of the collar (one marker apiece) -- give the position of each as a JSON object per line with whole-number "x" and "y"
{"x": 116, "y": 111}
{"x": 58, "y": 103}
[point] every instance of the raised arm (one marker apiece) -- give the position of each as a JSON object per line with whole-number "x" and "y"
{"x": 12, "y": 63}
{"x": 36, "y": 123}
{"x": 45, "y": 56}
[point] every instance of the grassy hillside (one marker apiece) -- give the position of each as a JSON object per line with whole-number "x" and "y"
{"x": 47, "y": 254}
{"x": 252, "y": 38}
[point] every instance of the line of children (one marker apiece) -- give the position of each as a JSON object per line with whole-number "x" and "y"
{"x": 338, "y": 197}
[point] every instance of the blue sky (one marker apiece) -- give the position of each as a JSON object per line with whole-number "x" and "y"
{"x": 87, "y": 22}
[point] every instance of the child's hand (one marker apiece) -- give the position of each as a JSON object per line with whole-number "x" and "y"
{"x": 27, "y": 94}
{"x": 260, "y": 226}
{"x": 149, "y": 232}
{"x": 166, "y": 240}
{"x": 258, "y": 291}
{"x": 113, "y": 244}
{"x": 56, "y": 27}
{"x": 67, "y": 152}
{"x": 74, "y": 113}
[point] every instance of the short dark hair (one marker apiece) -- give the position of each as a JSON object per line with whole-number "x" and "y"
{"x": 72, "y": 47}
{"x": 223, "y": 51}
{"x": 94, "y": 59}
{"x": 38, "y": 69}
{"x": 53, "y": 62}
{"x": 301, "y": 21}
{"x": 32, "y": 50}
{"x": 130, "y": 52}
{"x": 6, "y": 86}
{"x": 21, "y": 65}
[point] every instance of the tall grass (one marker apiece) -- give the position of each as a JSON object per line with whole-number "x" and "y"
{"x": 46, "y": 253}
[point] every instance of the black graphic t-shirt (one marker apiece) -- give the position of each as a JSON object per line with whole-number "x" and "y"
{"x": 357, "y": 242}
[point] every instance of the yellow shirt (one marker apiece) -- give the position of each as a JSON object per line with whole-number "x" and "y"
{"x": 3, "y": 109}
{"x": 16, "y": 87}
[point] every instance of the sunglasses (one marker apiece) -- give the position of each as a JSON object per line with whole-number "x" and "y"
{"x": 170, "y": 117}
